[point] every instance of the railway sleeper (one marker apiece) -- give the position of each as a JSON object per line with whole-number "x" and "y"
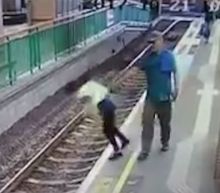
{"x": 65, "y": 170}
{"x": 72, "y": 160}
{"x": 53, "y": 182}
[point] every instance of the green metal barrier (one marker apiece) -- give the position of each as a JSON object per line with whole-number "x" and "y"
{"x": 46, "y": 46}
{"x": 135, "y": 13}
{"x": 27, "y": 54}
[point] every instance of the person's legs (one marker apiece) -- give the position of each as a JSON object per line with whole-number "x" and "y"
{"x": 118, "y": 133}
{"x": 207, "y": 32}
{"x": 148, "y": 129}
{"x": 111, "y": 4}
{"x": 110, "y": 132}
{"x": 122, "y": 137}
{"x": 144, "y": 4}
{"x": 103, "y": 3}
{"x": 164, "y": 111}
{"x": 96, "y": 3}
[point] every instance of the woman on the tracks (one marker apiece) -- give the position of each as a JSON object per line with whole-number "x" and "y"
{"x": 107, "y": 111}
{"x": 97, "y": 97}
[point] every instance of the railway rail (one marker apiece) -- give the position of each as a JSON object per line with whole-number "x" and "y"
{"x": 63, "y": 164}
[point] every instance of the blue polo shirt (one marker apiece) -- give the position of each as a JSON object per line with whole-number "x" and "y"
{"x": 158, "y": 68}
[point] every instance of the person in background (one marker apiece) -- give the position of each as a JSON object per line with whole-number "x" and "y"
{"x": 107, "y": 111}
{"x": 154, "y": 9}
{"x": 208, "y": 19}
{"x": 205, "y": 6}
{"x": 205, "y": 31}
{"x": 209, "y": 14}
{"x": 144, "y": 2}
{"x": 161, "y": 74}
{"x": 111, "y": 4}
{"x": 96, "y": 4}
{"x": 103, "y": 3}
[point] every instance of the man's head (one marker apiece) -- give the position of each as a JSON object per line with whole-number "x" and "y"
{"x": 157, "y": 41}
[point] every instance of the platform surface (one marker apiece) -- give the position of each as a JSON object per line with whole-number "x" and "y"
{"x": 189, "y": 165}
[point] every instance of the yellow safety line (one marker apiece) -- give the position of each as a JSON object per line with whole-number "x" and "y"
{"x": 126, "y": 172}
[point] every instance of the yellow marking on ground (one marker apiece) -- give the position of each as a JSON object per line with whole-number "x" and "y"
{"x": 126, "y": 173}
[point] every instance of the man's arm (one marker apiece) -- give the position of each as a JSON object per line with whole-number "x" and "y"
{"x": 168, "y": 65}
{"x": 175, "y": 77}
{"x": 141, "y": 65}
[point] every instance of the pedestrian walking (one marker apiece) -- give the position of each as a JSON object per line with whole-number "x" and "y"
{"x": 144, "y": 2}
{"x": 103, "y": 3}
{"x": 154, "y": 9}
{"x": 209, "y": 13}
{"x": 205, "y": 31}
{"x": 161, "y": 74}
{"x": 95, "y": 3}
{"x": 111, "y": 4}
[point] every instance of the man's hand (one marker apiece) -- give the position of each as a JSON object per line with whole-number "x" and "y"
{"x": 175, "y": 94}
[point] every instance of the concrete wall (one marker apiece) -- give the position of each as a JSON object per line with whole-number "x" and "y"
{"x": 25, "y": 96}
{"x": 42, "y": 10}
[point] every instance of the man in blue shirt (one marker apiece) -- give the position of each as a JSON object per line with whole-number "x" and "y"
{"x": 160, "y": 69}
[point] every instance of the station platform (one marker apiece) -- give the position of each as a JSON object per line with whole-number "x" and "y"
{"x": 14, "y": 28}
{"x": 188, "y": 167}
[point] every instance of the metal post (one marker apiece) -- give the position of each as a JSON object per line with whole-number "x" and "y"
{"x": 1, "y": 18}
{"x": 160, "y": 7}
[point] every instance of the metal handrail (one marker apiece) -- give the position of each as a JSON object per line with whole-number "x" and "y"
{"x": 32, "y": 43}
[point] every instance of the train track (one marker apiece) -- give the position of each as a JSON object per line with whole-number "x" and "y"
{"x": 30, "y": 134}
{"x": 63, "y": 164}
{"x": 21, "y": 142}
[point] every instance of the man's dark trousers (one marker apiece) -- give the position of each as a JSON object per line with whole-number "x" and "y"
{"x": 163, "y": 110}
{"x": 111, "y": 131}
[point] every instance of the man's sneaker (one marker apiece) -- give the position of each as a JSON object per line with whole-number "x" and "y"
{"x": 115, "y": 156}
{"x": 165, "y": 148}
{"x": 143, "y": 156}
{"x": 125, "y": 144}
